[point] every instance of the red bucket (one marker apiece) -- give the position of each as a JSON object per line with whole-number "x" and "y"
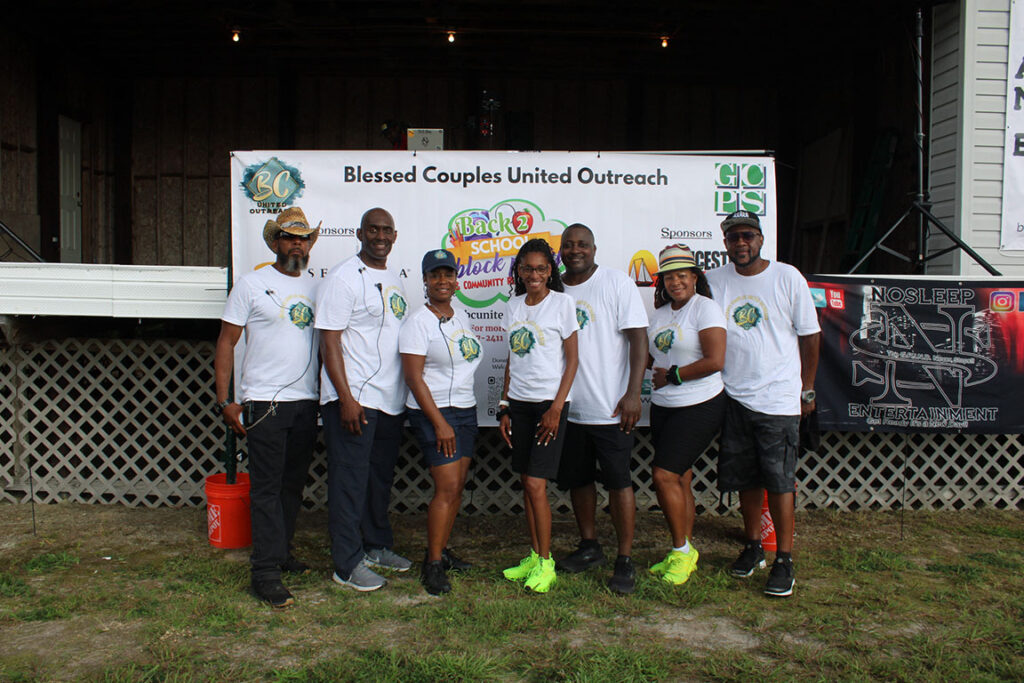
{"x": 227, "y": 511}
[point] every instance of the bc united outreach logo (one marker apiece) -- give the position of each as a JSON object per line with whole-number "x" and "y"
{"x": 398, "y": 305}
{"x": 469, "y": 348}
{"x": 582, "y": 317}
{"x": 522, "y": 341}
{"x": 301, "y": 315}
{"x": 747, "y": 316}
{"x": 272, "y": 184}
{"x": 664, "y": 339}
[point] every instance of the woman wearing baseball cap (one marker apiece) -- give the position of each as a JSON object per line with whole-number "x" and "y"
{"x": 440, "y": 355}
{"x": 687, "y": 351}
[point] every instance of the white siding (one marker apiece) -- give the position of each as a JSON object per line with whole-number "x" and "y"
{"x": 945, "y": 130}
{"x": 985, "y": 27}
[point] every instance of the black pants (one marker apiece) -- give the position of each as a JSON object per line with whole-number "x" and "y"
{"x": 280, "y": 450}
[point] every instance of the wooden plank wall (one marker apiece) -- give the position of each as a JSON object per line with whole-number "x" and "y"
{"x": 18, "y": 143}
{"x": 184, "y": 129}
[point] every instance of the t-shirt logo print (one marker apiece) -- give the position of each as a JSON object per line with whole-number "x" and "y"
{"x": 301, "y": 315}
{"x": 582, "y": 317}
{"x": 522, "y": 341}
{"x": 469, "y": 348}
{"x": 664, "y": 339}
{"x": 398, "y": 306}
{"x": 747, "y": 316}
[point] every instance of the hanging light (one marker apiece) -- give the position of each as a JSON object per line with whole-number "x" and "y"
{"x": 451, "y": 36}
{"x": 664, "y": 41}
{"x": 236, "y": 35}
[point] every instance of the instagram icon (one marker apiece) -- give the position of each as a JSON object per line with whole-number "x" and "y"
{"x": 1001, "y": 302}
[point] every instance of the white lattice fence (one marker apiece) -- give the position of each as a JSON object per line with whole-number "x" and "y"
{"x": 129, "y": 421}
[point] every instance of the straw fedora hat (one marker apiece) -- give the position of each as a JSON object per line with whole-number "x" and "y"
{"x": 292, "y": 221}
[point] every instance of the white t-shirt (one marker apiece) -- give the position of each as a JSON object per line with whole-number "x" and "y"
{"x": 368, "y": 306}
{"x": 452, "y": 355}
{"x": 535, "y": 334}
{"x": 280, "y": 357}
{"x": 673, "y": 339}
{"x": 765, "y": 313}
{"x": 606, "y": 304}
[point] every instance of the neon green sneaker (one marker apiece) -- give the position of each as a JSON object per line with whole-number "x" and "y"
{"x": 543, "y": 576}
{"x": 660, "y": 568}
{"x": 681, "y": 565}
{"x": 524, "y": 568}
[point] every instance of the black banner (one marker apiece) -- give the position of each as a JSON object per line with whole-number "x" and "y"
{"x": 905, "y": 354}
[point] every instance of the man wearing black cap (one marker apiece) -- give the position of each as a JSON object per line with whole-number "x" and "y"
{"x": 771, "y": 357}
{"x": 278, "y": 392}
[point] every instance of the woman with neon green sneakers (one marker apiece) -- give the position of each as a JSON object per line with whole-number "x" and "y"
{"x": 541, "y": 324}
{"x": 687, "y": 351}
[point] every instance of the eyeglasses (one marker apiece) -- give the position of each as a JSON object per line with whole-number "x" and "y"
{"x": 289, "y": 236}
{"x": 746, "y": 236}
{"x": 530, "y": 270}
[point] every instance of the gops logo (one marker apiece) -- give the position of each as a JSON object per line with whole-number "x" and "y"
{"x": 741, "y": 186}
{"x": 272, "y": 184}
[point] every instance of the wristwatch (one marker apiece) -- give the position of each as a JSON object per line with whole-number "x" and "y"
{"x": 221, "y": 405}
{"x": 808, "y": 396}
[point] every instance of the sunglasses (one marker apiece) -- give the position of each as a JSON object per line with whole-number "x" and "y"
{"x": 289, "y": 236}
{"x": 746, "y": 236}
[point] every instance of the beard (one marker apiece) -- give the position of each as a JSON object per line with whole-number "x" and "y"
{"x": 293, "y": 264}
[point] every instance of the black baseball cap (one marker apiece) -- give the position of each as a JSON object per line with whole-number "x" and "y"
{"x": 741, "y": 218}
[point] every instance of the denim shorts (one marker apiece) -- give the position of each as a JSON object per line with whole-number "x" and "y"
{"x": 463, "y": 423}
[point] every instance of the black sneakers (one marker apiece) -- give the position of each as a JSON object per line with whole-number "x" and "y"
{"x": 780, "y": 579}
{"x": 587, "y": 554}
{"x": 453, "y": 562}
{"x": 294, "y": 566}
{"x": 433, "y": 578}
{"x": 273, "y": 592}
{"x": 750, "y": 559}
{"x": 623, "y": 579}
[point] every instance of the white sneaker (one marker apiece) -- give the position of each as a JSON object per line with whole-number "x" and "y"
{"x": 362, "y": 579}
{"x": 385, "y": 558}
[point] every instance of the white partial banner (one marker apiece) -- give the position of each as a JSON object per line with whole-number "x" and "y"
{"x": 483, "y": 206}
{"x": 1012, "y": 234}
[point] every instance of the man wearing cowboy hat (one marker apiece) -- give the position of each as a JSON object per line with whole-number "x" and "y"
{"x": 278, "y": 393}
{"x": 771, "y": 357}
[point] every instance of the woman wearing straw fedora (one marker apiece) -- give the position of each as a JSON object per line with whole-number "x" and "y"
{"x": 687, "y": 349}
{"x": 542, "y": 364}
{"x": 440, "y": 355}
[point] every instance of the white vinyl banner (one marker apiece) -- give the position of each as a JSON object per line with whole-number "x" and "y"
{"x": 1012, "y": 236}
{"x": 484, "y": 205}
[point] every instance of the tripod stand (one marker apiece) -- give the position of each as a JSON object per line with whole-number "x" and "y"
{"x": 920, "y": 206}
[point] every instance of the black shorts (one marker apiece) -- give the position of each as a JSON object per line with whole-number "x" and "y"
{"x": 586, "y": 447}
{"x": 529, "y": 457}
{"x": 758, "y": 450}
{"x": 681, "y": 435}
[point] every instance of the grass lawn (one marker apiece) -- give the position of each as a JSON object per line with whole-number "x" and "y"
{"x": 117, "y": 594}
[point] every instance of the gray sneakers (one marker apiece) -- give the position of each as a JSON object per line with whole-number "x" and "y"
{"x": 385, "y": 558}
{"x": 362, "y": 579}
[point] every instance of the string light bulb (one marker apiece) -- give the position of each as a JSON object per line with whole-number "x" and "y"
{"x": 664, "y": 41}
{"x": 451, "y": 36}
{"x": 236, "y": 35}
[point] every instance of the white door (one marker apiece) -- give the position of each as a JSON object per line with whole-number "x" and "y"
{"x": 70, "y": 133}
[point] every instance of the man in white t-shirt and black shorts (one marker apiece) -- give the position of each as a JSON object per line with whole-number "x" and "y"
{"x": 277, "y": 392}
{"x": 360, "y": 310}
{"x": 771, "y": 357}
{"x": 605, "y": 403}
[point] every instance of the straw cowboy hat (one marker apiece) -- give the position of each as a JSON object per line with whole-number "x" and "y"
{"x": 292, "y": 221}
